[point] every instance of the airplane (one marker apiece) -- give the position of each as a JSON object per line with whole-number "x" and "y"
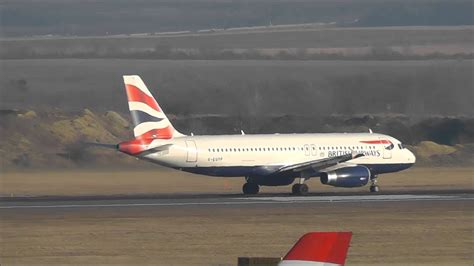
{"x": 319, "y": 248}
{"x": 337, "y": 159}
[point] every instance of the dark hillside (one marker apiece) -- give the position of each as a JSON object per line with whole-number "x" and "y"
{"x": 106, "y": 17}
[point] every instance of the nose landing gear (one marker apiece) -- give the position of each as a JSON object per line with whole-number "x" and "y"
{"x": 373, "y": 184}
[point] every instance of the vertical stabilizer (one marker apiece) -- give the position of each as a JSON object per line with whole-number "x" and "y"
{"x": 319, "y": 248}
{"x": 149, "y": 120}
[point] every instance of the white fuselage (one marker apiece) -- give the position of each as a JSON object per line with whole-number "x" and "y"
{"x": 235, "y": 155}
{"x": 343, "y": 160}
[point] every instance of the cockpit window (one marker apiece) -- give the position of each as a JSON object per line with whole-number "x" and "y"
{"x": 400, "y": 146}
{"x": 390, "y": 147}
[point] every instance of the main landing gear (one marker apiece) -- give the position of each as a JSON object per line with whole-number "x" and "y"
{"x": 299, "y": 189}
{"x": 373, "y": 184}
{"x": 250, "y": 189}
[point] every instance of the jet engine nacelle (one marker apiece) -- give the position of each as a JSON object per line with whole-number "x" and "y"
{"x": 355, "y": 176}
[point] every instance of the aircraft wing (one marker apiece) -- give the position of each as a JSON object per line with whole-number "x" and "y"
{"x": 319, "y": 248}
{"x": 316, "y": 165}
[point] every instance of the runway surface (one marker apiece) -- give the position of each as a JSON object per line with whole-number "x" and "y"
{"x": 421, "y": 227}
{"x": 223, "y": 200}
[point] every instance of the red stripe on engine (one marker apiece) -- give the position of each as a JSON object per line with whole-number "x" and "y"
{"x": 134, "y": 94}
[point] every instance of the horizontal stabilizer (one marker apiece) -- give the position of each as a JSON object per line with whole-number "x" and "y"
{"x": 140, "y": 147}
{"x": 103, "y": 145}
{"x": 156, "y": 149}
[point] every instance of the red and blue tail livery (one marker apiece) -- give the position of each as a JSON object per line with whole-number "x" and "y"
{"x": 149, "y": 120}
{"x": 319, "y": 248}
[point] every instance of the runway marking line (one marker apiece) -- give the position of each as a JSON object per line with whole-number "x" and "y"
{"x": 267, "y": 200}
{"x": 358, "y": 197}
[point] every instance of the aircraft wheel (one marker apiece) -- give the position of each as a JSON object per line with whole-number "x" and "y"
{"x": 250, "y": 189}
{"x": 300, "y": 189}
{"x": 295, "y": 188}
{"x": 374, "y": 188}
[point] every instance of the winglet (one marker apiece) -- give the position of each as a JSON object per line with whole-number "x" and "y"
{"x": 319, "y": 248}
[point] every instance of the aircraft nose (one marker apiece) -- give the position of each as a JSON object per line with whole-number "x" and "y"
{"x": 411, "y": 157}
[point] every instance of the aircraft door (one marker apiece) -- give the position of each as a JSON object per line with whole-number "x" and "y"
{"x": 313, "y": 150}
{"x": 307, "y": 152}
{"x": 191, "y": 151}
{"x": 387, "y": 148}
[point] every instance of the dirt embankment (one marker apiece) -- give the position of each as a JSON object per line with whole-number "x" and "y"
{"x": 55, "y": 139}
